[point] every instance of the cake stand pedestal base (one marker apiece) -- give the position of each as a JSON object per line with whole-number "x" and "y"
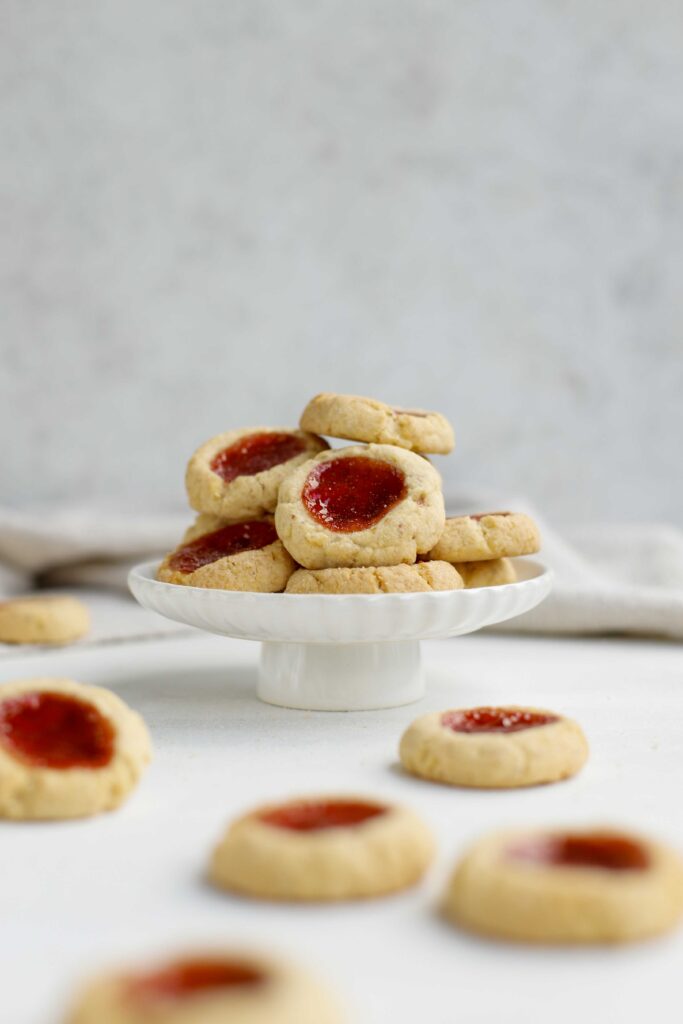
{"x": 341, "y": 677}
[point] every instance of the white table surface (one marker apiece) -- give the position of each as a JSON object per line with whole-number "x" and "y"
{"x": 81, "y": 895}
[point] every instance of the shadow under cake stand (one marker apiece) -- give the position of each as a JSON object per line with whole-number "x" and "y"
{"x": 341, "y": 652}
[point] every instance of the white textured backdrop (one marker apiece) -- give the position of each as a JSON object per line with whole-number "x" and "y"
{"x": 211, "y": 210}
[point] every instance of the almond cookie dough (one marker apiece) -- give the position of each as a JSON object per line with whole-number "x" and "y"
{"x": 230, "y": 556}
{"x": 392, "y": 579}
{"x": 43, "y": 620}
{"x": 486, "y": 536}
{"x": 494, "y": 747}
{"x": 573, "y": 886}
{"x": 323, "y": 848}
{"x": 67, "y": 750}
{"x": 209, "y": 987}
{"x": 366, "y": 419}
{"x": 236, "y": 475}
{"x": 360, "y": 506}
{"x": 494, "y": 573}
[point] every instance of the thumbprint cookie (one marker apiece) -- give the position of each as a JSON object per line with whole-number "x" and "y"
{"x": 323, "y": 848}
{"x": 360, "y": 506}
{"x": 236, "y": 475}
{"x": 494, "y": 747}
{"x": 365, "y": 419}
{"x": 493, "y": 573}
{"x": 567, "y": 886}
{"x": 43, "y": 620}
{"x": 67, "y": 750}
{"x": 206, "y": 988}
{"x": 246, "y": 555}
{"x": 487, "y": 535}
{"x": 389, "y": 579}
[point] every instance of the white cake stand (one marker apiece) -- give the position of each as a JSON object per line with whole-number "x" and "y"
{"x": 346, "y": 652}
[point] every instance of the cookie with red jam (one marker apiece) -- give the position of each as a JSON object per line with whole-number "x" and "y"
{"x": 566, "y": 886}
{"x": 494, "y": 747}
{"x": 365, "y": 419}
{"x": 245, "y": 555}
{"x": 323, "y": 848}
{"x": 206, "y": 987}
{"x": 67, "y": 750}
{"x": 368, "y": 505}
{"x": 236, "y": 475}
{"x": 487, "y": 535}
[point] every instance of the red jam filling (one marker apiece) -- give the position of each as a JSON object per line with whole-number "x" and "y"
{"x": 606, "y": 851}
{"x": 54, "y": 730}
{"x": 188, "y": 978}
{"x": 494, "y": 720}
{"x": 485, "y": 515}
{"x": 254, "y": 453}
{"x": 316, "y": 815}
{"x": 229, "y": 540}
{"x": 353, "y": 493}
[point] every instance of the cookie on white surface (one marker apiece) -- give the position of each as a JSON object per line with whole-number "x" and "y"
{"x": 494, "y": 747}
{"x": 323, "y": 848}
{"x": 67, "y": 750}
{"x": 212, "y": 987}
{"x": 573, "y": 886}
{"x": 43, "y": 619}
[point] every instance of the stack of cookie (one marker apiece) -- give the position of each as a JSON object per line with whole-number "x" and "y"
{"x": 233, "y": 482}
{"x": 280, "y": 510}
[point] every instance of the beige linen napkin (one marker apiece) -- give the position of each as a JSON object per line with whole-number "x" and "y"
{"x": 609, "y": 578}
{"x": 75, "y": 546}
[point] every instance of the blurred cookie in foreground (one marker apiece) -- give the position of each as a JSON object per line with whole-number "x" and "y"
{"x": 43, "y": 619}
{"x": 236, "y": 475}
{"x": 323, "y": 848}
{"x": 206, "y": 988}
{"x": 67, "y": 750}
{"x": 567, "y": 886}
{"x": 391, "y": 579}
{"x": 365, "y": 419}
{"x": 494, "y": 747}
{"x": 494, "y": 573}
{"x": 487, "y": 535}
{"x": 246, "y": 555}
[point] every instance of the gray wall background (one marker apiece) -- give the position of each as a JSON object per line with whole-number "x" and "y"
{"x": 212, "y": 210}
